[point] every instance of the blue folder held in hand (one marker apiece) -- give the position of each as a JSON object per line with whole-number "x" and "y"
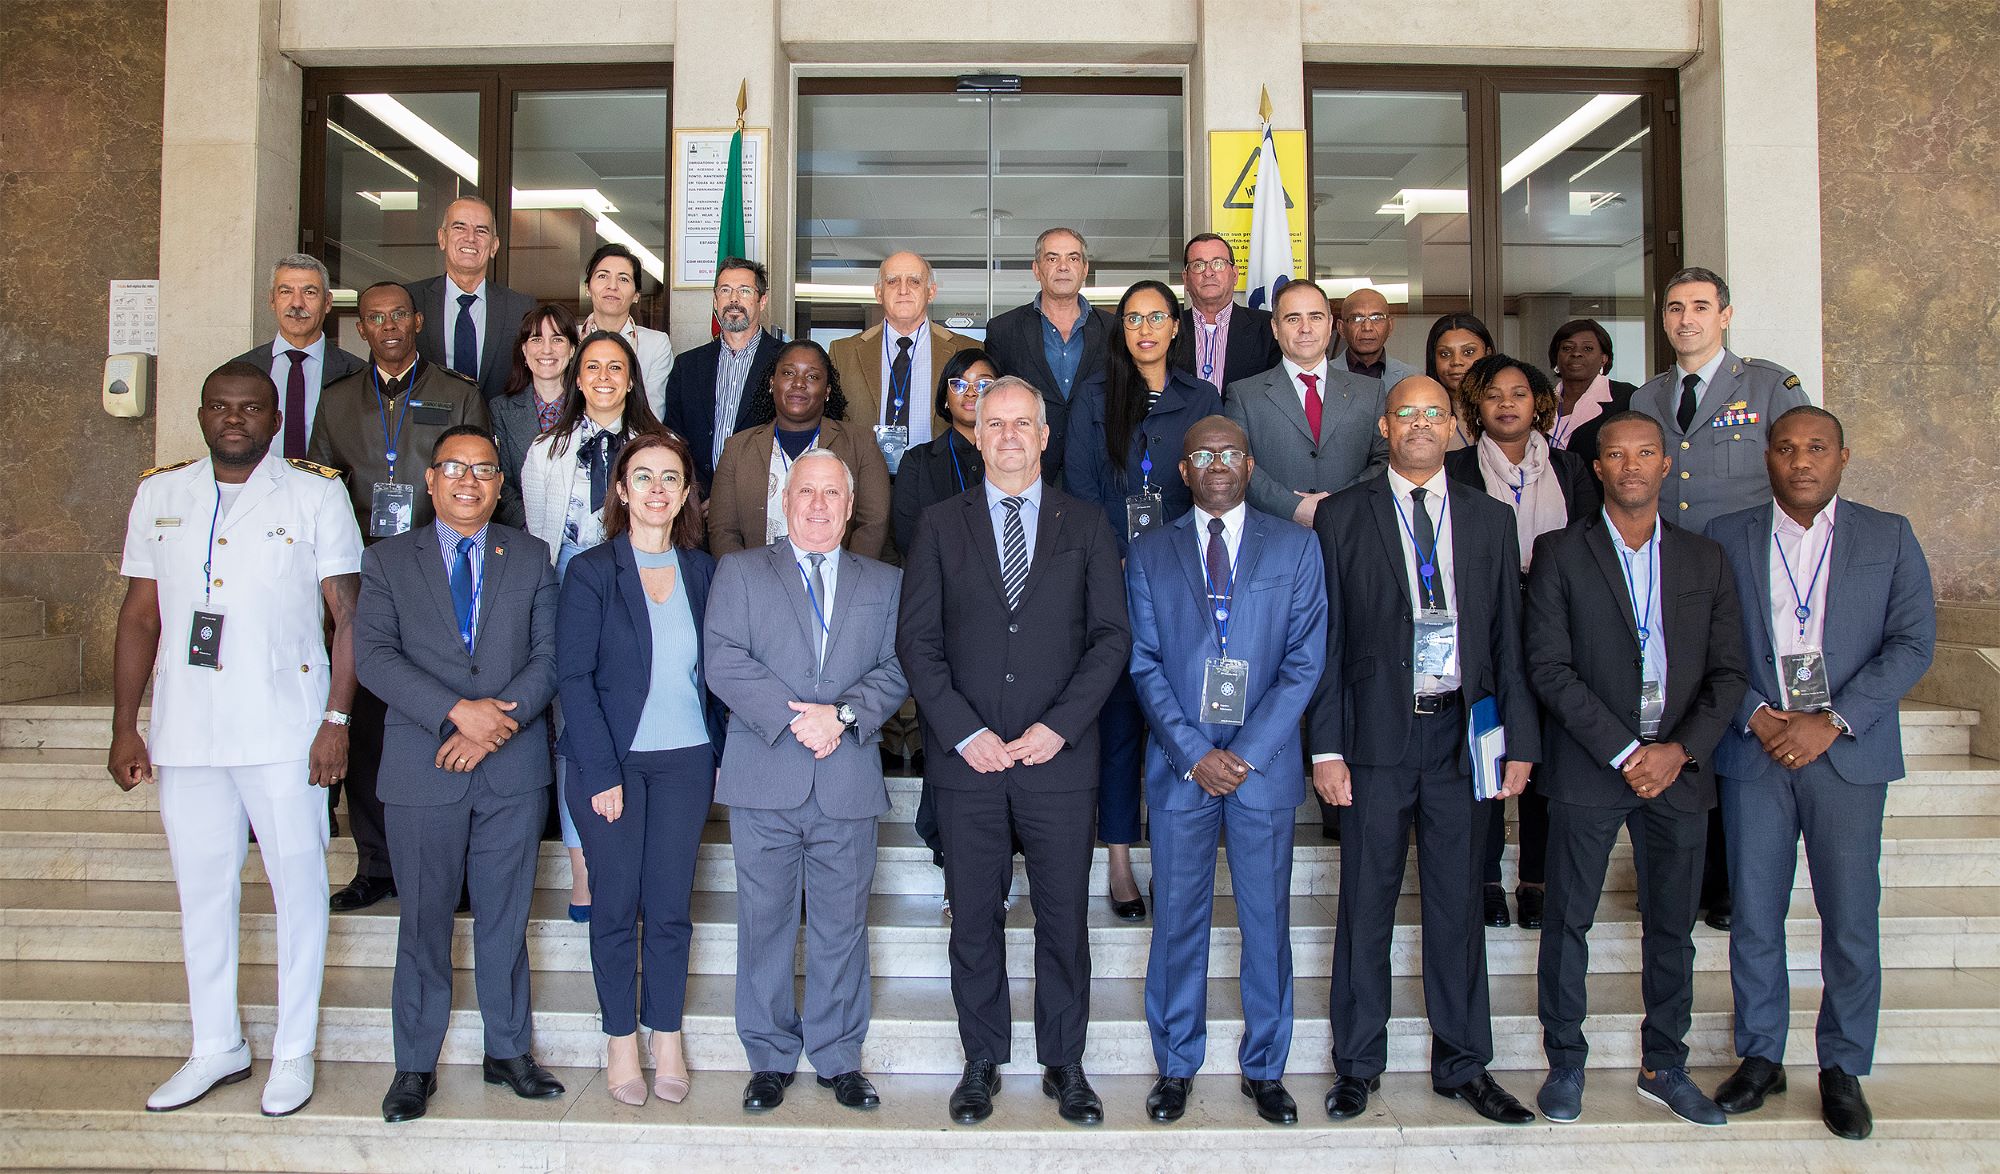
{"x": 1486, "y": 738}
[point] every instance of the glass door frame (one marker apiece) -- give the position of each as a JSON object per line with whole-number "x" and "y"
{"x": 498, "y": 88}
{"x": 1482, "y": 87}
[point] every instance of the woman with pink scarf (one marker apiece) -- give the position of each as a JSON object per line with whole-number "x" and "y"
{"x": 1507, "y": 406}
{"x": 1580, "y": 355}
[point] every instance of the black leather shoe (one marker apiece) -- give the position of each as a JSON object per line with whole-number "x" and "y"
{"x": 1168, "y": 1100}
{"x": 1076, "y": 1102}
{"x": 1274, "y": 1104}
{"x": 916, "y": 767}
{"x": 1349, "y": 1096}
{"x": 1488, "y": 1100}
{"x": 1528, "y": 906}
{"x": 765, "y": 1091}
{"x": 1719, "y": 914}
{"x": 1133, "y": 910}
{"x": 1745, "y": 1089}
{"x": 360, "y": 893}
{"x": 1495, "y": 898}
{"x": 972, "y": 1100}
{"x": 852, "y": 1090}
{"x": 409, "y": 1096}
{"x": 1842, "y": 1106}
{"x": 527, "y": 1078}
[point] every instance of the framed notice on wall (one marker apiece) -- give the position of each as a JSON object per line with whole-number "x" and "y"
{"x": 701, "y": 172}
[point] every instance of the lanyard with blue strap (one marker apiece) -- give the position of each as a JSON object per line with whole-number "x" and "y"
{"x": 818, "y": 613}
{"x": 1223, "y": 604}
{"x": 1205, "y": 341}
{"x": 1644, "y": 620}
{"x": 1802, "y": 611}
{"x": 957, "y": 470}
{"x": 1426, "y": 559}
{"x": 392, "y": 441}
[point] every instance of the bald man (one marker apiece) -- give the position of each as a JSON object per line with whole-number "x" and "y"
{"x": 469, "y": 322}
{"x": 1365, "y": 326}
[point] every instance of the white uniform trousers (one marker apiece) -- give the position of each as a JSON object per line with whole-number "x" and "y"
{"x": 204, "y": 810}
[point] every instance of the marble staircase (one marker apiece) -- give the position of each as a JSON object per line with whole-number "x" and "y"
{"x": 92, "y": 1014}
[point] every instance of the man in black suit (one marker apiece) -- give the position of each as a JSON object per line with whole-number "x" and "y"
{"x": 469, "y": 322}
{"x": 301, "y": 359}
{"x": 709, "y": 390}
{"x": 1634, "y": 649}
{"x": 1057, "y": 340}
{"x": 1012, "y": 633}
{"x": 1219, "y": 341}
{"x": 1423, "y": 588}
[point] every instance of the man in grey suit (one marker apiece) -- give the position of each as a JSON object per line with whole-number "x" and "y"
{"x": 1311, "y": 423}
{"x": 1839, "y": 624}
{"x": 469, "y": 322}
{"x": 802, "y": 777}
{"x": 455, "y": 630}
{"x": 301, "y": 359}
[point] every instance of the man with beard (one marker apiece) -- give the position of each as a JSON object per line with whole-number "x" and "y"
{"x": 249, "y": 711}
{"x": 707, "y": 398}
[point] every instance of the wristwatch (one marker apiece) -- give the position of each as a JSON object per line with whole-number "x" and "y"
{"x": 845, "y": 713}
{"x": 335, "y": 716}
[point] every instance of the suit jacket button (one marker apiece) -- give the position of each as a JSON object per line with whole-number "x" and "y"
{"x": 475, "y": 670}
{"x": 1010, "y": 678}
{"x": 1013, "y": 629}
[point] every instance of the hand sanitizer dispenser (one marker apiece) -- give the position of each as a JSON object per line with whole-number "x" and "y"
{"x": 127, "y": 380}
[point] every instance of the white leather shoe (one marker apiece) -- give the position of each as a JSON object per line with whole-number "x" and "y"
{"x": 200, "y": 1075}
{"x": 289, "y": 1086}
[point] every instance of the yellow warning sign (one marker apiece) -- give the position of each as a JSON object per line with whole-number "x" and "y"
{"x": 1232, "y": 190}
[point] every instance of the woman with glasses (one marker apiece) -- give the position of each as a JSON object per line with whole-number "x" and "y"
{"x": 1586, "y": 395}
{"x": 1456, "y": 342}
{"x": 950, "y": 464}
{"x": 534, "y": 395}
{"x": 1123, "y": 452}
{"x": 1508, "y": 406}
{"x": 565, "y": 480}
{"x": 643, "y": 737}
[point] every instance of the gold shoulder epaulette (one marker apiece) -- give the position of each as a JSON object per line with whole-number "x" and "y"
{"x": 167, "y": 468}
{"x": 313, "y": 467}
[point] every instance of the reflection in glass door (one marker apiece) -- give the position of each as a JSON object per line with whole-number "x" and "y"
{"x": 968, "y": 180}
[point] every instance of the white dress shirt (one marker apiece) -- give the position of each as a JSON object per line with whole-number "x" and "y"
{"x": 1803, "y": 549}
{"x": 1293, "y": 371}
{"x": 1232, "y": 535}
{"x": 921, "y": 392}
{"x": 281, "y": 374}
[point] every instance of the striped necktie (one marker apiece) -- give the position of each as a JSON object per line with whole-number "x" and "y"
{"x": 1014, "y": 552}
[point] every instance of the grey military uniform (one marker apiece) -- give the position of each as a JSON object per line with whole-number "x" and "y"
{"x": 1719, "y": 461}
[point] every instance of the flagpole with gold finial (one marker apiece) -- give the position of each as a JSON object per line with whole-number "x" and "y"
{"x": 743, "y": 101}
{"x": 1264, "y": 103}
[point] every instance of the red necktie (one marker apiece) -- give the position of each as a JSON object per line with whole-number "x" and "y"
{"x": 1312, "y": 403}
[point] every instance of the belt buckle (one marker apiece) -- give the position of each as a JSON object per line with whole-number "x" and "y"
{"x": 1427, "y": 704}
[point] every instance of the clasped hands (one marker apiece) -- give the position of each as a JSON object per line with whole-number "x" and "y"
{"x": 1333, "y": 780}
{"x": 1793, "y": 740}
{"x": 987, "y": 754}
{"x": 482, "y": 727}
{"x": 1653, "y": 768}
{"x": 817, "y": 727}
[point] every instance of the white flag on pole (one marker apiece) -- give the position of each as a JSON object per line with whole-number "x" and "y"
{"x": 1270, "y": 229}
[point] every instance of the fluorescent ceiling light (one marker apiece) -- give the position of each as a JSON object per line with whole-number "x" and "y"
{"x": 370, "y": 148}
{"x": 1411, "y": 203}
{"x": 391, "y": 201}
{"x": 1584, "y": 203}
{"x": 1601, "y": 159}
{"x": 1564, "y": 135}
{"x": 422, "y": 135}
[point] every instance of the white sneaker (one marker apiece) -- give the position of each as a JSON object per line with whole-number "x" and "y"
{"x": 289, "y": 1086}
{"x": 200, "y": 1075}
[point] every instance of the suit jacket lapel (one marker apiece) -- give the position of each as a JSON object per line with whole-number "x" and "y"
{"x": 792, "y": 577}
{"x": 871, "y": 365}
{"x": 1195, "y": 569}
{"x": 1390, "y": 528}
{"x": 430, "y": 567}
{"x": 1756, "y": 532}
{"x": 1045, "y": 543}
{"x": 1681, "y": 631}
{"x": 1280, "y": 390}
{"x": 1463, "y": 539}
{"x": 499, "y": 560}
{"x": 491, "y": 349}
{"x": 1839, "y": 560}
{"x": 979, "y": 526}
{"x": 1599, "y": 539}
{"x": 848, "y": 581}
{"x": 632, "y": 589}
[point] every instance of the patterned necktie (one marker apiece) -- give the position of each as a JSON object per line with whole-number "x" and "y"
{"x": 465, "y": 340}
{"x": 1313, "y": 405}
{"x": 1431, "y": 586}
{"x": 818, "y": 562}
{"x": 1219, "y": 586}
{"x": 1014, "y": 552}
{"x": 899, "y": 384}
{"x": 461, "y": 590}
{"x": 296, "y": 424}
{"x": 1688, "y": 399}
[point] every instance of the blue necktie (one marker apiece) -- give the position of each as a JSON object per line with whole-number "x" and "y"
{"x": 465, "y": 340}
{"x": 462, "y": 590}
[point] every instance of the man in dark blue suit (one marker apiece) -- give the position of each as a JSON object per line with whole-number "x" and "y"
{"x": 1223, "y": 584}
{"x": 708, "y": 392}
{"x": 1838, "y": 624}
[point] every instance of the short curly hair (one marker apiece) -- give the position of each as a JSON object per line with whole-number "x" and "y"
{"x": 1472, "y": 391}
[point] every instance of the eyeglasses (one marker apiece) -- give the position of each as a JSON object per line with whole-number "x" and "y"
{"x": 746, "y": 292}
{"x": 1366, "y": 319}
{"x": 1135, "y": 320}
{"x": 1212, "y": 265}
{"x": 961, "y": 386}
{"x": 643, "y": 480}
{"x": 453, "y": 470}
{"x": 379, "y": 319}
{"x": 1433, "y": 415}
{"x": 1231, "y": 458}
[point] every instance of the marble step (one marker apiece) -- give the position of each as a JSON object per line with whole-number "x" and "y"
{"x": 36, "y": 664}
{"x": 22, "y": 615}
{"x": 1934, "y": 1117}
{"x": 74, "y": 779}
{"x": 114, "y": 921}
{"x": 139, "y": 1009}
{"x": 1920, "y": 851}
{"x": 83, "y": 721}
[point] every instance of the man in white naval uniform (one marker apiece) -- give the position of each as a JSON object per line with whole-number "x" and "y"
{"x": 227, "y": 561}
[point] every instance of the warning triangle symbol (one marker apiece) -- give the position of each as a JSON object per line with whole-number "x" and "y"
{"x": 1243, "y": 193}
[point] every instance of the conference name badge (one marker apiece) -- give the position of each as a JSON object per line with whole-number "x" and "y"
{"x": 894, "y": 441}
{"x": 205, "y": 638}
{"x": 1803, "y": 677}
{"x": 1144, "y": 513}
{"x": 1225, "y": 687}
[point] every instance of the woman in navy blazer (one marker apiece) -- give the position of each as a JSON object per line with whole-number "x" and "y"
{"x": 643, "y": 737}
{"x": 1126, "y": 425}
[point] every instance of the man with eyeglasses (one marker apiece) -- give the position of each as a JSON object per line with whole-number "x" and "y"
{"x": 1220, "y": 341}
{"x": 1421, "y": 644}
{"x": 1365, "y": 326}
{"x": 467, "y": 773}
{"x": 708, "y": 392}
{"x": 469, "y": 321}
{"x": 1228, "y": 638}
{"x": 1057, "y": 339}
{"x": 377, "y": 426}
{"x": 887, "y": 371}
